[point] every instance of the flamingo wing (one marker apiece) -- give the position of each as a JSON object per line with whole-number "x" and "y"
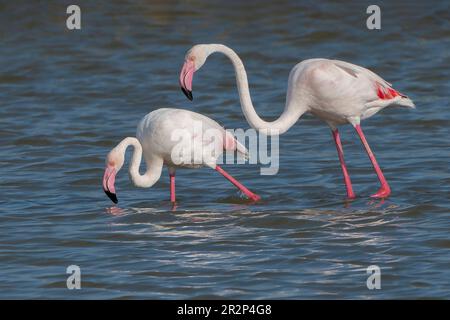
{"x": 360, "y": 71}
{"x": 385, "y": 93}
{"x": 231, "y": 143}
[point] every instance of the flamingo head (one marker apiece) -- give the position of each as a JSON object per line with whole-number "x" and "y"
{"x": 194, "y": 60}
{"x": 114, "y": 162}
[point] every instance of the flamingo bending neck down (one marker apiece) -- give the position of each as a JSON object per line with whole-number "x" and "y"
{"x": 335, "y": 91}
{"x": 156, "y": 140}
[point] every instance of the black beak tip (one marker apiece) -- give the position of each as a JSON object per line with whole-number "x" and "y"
{"x": 112, "y": 196}
{"x": 187, "y": 93}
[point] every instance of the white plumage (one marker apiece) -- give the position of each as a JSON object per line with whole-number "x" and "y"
{"x": 176, "y": 138}
{"x": 335, "y": 91}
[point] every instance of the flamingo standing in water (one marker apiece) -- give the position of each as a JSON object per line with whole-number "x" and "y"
{"x": 156, "y": 139}
{"x": 335, "y": 91}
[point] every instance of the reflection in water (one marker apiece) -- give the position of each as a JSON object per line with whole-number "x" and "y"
{"x": 376, "y": 203}
{"x": 115, "y": 211}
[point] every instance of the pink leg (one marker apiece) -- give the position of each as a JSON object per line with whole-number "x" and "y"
{"x": 172, "y": 187}
{"x": 385, "y": 190}
{"x": 348, "y": 183}
{"x": 247, "y": 192}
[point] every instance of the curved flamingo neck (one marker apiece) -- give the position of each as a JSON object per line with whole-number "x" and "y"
{"x": 293, "y": 109}
{"x": 154, "y": 166}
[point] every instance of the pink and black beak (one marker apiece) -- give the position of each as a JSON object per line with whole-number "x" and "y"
{"x": 186, "y": 76}
{"x": 109, "y": 179}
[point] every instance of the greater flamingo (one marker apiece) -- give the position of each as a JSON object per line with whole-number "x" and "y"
{"x": 156, "y": 139}
{"x": 335, "y": 91}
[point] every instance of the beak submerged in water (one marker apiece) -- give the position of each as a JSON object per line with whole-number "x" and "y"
{"x": 186, "y": 76}
{"x": 112, "y": 196}
{"x": 109, "y": 179}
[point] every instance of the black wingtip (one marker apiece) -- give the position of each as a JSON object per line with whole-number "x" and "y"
{"x": 112, "y": 196}
{"x": 187, "y": 93}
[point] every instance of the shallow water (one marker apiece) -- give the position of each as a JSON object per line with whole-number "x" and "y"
{"x": 70, "y": 96}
